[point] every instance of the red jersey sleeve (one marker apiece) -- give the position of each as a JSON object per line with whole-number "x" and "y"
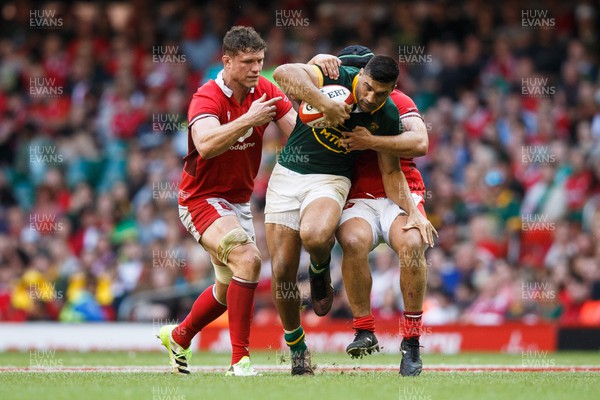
{"x": 405, "y": 105}
{"x": 203, "y": 104}
{"x": 282, "y": 106}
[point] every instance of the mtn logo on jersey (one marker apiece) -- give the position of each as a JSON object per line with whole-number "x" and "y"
{"x": 330, "y": 138}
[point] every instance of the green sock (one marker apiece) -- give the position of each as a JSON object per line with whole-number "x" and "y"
{"x": 295, "y": 340}
{"x": 318, "y": 269}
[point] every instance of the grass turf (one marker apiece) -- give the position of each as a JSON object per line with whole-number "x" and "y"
{"x": 281, "y": 386}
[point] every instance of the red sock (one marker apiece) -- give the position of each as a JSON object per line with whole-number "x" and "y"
{"x": 240, "y": 300}
{"x": 364, "y": 323}
{"x": 205, "y": 310}
{"x": 412, "y": 324}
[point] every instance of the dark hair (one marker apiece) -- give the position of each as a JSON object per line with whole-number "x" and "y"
{"x": 383, "y": 69}
{"x": 242, "y": 39}
{"x": 355, "y": 56}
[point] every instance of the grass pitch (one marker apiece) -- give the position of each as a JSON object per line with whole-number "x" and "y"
{"x": 41, "y": 375}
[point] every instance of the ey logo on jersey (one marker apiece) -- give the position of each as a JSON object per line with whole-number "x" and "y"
{"x": 330, "y": 138}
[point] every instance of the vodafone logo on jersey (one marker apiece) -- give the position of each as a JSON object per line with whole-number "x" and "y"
{"x": 243, "y": 146}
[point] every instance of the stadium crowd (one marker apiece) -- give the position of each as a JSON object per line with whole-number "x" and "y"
{"x": 93, "y": 102}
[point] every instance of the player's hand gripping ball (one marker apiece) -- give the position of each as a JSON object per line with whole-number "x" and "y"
{"x": 314, "y": 118}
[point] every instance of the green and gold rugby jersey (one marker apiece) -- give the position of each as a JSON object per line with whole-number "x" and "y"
{"x": 319, "y": 150}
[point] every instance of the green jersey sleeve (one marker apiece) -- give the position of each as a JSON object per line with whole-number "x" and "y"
{"x": 346, "y": 78}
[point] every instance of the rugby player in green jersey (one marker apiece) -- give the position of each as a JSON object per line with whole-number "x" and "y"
{"x": 310, "y": 183}
{"x": 369, "y": 218}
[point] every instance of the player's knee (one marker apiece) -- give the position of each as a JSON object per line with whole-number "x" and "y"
{"x": 412, "y": 243}
{"x": 354, "y": 242}
{"x": 281, "y": 271}
{"x": 315, "y": 238}
{"x": 411, "y": 251}
{"x": 236, "y": 238}
{"x": 246, "y": 260}
{"x": 282, "y": 275}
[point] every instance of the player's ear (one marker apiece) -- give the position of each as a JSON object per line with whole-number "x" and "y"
{"x": 226, "y": 59}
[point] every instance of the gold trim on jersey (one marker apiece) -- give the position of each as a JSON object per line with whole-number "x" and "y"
{"x": 319, "y": 76}
{"x": 377, "y": 109}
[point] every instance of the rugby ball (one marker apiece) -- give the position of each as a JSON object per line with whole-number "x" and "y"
{"x": 314, "y": 118}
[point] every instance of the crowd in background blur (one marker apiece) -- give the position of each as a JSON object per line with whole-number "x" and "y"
{"x": 93, "y": 105}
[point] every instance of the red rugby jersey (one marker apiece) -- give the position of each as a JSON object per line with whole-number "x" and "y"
{"x": 367, "y": 182}
{"x": 229, "y": 175}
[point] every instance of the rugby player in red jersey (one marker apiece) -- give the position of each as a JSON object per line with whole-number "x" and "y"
{"x": 370, "y": 218}
{"x": 227, "y": 118}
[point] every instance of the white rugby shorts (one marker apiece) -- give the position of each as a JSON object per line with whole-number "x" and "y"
{"x": 289, "y": 193}
{"x": 379, "y": 213}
